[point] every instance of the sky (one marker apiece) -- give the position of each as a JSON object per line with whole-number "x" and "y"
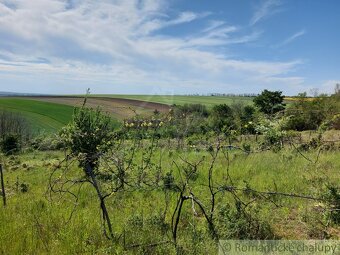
{"x": 169, "y": 46}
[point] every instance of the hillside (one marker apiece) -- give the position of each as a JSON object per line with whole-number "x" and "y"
{"x": 43, "y": 116}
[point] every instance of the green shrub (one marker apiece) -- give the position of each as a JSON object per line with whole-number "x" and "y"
{"x": 89, "y": 134}
{"x": 236, "y": 223}
{"x": 222, "y": 118}
{"x": 333, "y": 197}
{"x": 10, "y": 144}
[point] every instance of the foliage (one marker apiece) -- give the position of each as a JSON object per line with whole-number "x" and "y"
{"x": 191, "y": 109}
{"x": 10, "y": 144}
{"x": 333, "y": 123}
{"x": 88, "y": 135}
{"x": 272, "y": 130}
{"x": 237, "y": 223}
{"x": 46, "y": 143}
{"x": 270, "y": 102}
{"x": 222, "y": 118}
{"x": 333, "y": 198}
{"x": 308, "y": 114}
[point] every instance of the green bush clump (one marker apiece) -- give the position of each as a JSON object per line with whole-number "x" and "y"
{"x": 89, "y": 134}
{"x": 236, "y": 223}
{"x": 48, "y": 143}
{"x": 10, "y": 144}
{"x": 333, "y": 197}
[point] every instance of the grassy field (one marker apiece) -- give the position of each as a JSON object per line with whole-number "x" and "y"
{"x": 39, "y": 221}
{"x": 180, "y": 100}
{"x": 43, "y": 116}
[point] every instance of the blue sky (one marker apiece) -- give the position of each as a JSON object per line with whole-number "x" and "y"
{"x": 169, "y": 46}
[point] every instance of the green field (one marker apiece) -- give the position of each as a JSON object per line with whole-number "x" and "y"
{"x": 43, "y": 117}
{"x": 181, "y": 100}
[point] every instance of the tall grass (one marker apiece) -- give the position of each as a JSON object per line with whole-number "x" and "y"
{"x": 38, "y": 222}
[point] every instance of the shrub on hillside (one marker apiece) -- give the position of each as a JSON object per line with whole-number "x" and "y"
{"x": 10, "y": 144}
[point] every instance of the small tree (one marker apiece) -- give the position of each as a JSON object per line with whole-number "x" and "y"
{"x": 88, "y": 136}
{"x": 270, "y": 102}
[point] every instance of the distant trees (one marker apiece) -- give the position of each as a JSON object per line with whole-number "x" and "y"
{"x": 270, "y": 102}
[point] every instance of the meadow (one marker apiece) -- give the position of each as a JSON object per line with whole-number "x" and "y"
{"x": 39, "y": 221}
{"x": 166, "y": 182}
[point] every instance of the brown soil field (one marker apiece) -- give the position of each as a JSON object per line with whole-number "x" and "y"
{"x": 118, "y": 107}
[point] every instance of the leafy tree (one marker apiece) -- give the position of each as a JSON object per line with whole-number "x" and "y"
{"x": 222, "y": 117}
{"x": 270, "y": 102}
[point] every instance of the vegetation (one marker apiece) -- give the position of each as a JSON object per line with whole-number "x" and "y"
{"x": 310, "y": 115}
{"x": 270, "y": 102}
{"x": 42, "y": 116}
{"x": 174, "y": 183}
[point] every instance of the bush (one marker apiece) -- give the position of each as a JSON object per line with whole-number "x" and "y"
{"x": 49, "y": 143}
{"x": 238, "y": 224}
{"x": 313, "y": 113}
{"x": 333, "y": 197}
{"x": 333, "y": 123}
{"x": 10, "y": 144}
{"x": 89, "y": 134}
{"x": 190, "y": 109}
{"x": 222, "y": 118}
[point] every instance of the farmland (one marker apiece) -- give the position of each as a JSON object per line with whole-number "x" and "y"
{"x": 43, "y": 116}
{"x": 181, "y": 100}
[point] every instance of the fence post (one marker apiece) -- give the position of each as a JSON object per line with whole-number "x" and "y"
{"x": 2, "y": 186}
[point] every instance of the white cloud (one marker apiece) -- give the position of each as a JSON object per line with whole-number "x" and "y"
{"x": 291, "y": 38}
{"x": 267, "y": 8}
{"x": 120, "y": 42}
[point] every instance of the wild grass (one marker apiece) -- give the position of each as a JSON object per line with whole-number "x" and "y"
{"x": 36, "y": 222}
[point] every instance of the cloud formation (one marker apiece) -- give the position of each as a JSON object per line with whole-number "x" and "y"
{"x": 266, "y": 9}
{"x": 121, "y": 42}
{"x": 292, "y": 38}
